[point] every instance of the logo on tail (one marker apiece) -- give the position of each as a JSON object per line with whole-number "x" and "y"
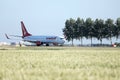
{"x": 24, "y": 30}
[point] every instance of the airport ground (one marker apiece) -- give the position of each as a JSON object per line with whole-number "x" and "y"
{"x": 59, "y": 63}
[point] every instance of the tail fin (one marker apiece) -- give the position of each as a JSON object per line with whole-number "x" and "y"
{"x": 24, "y": 30}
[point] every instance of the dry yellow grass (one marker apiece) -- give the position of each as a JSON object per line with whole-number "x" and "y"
{"x": 59, "y": 63}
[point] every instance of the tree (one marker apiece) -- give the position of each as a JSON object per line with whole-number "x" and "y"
{"x": 89, "y": 28}
{"x": 80, "y": 29}
{"x": 69, "y": 30}
{"x": 117, "y": 30}
{"x": 99, "y": 29}
{"x": 109, "y": 29}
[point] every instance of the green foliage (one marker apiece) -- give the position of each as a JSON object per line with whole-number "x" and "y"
{"x": 109, "y": 29}
{"x": 89, "y": 28}
{"x": 117, "y": 30}
{"x": 77, "y": 29}
{"x": 60, "y": 63}
{"x": 69, "y": 29}
{"x": 99, "y": 29}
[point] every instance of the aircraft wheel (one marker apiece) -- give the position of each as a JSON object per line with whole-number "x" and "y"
{"x": 47, "y": 44}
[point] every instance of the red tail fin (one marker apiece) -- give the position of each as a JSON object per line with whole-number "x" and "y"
{"x": 24, "y": 30}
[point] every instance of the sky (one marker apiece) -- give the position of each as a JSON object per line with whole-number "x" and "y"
{"x": 47, "y": 17}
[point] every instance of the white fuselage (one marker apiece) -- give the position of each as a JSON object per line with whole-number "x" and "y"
{"x": 45, "y": 39}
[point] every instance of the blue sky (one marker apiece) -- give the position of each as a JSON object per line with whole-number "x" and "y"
{"x": 47, "y": 17}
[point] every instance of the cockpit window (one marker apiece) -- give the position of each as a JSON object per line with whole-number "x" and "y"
{"x": 61, "y": 38}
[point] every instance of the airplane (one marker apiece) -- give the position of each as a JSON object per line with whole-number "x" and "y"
{"x": 39, "y": 40}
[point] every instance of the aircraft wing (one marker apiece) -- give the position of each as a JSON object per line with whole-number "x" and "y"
{"x": 13, "y": 36}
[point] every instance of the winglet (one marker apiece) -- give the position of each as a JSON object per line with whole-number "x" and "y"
{"x": 7, "y": 36}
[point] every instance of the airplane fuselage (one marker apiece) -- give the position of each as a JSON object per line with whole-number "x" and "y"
{"x": 44, "y": 39}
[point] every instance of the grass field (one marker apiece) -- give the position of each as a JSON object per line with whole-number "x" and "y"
{"x": 59, "y": 63}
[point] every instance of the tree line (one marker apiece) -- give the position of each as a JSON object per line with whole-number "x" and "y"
{"x": 89, "y": 29}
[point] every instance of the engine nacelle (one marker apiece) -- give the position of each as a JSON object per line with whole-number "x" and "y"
{"x": 38, "y": 43}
